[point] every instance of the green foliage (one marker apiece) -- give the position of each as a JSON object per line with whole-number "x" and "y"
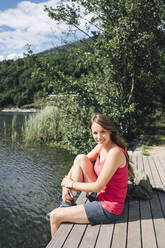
{"x": 155, "y": 135}
{"x": 118, "y": 71}
{"x": 119, "y": 75}
{"x": 23, "y": 79}
{"x": 32, "y": 105}
{"x": 16, "y": 85}
{"x": 74, "y": 125}
{"x": 42, "y": 127}
{"x": 145, "y": 151}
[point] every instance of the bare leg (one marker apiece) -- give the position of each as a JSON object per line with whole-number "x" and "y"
{"x": 82, "y": 171}
{"x": 75, "y": 214}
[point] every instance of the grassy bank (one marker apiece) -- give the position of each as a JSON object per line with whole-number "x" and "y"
{"x": 48, "y": 126}
{"x": 155, "y": 136}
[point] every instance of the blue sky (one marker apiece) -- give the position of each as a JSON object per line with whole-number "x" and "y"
{"x": 6, "y": 4}
{"x": 25, "y": 22}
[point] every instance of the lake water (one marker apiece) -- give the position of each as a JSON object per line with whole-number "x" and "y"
{"x": 29, "y": 187}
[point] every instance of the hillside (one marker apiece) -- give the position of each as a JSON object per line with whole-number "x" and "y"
{"x": 63, "y": 48}
{"x": 26, "y": 80}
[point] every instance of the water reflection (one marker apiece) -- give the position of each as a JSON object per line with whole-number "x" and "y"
{"x": 29, "y": 188}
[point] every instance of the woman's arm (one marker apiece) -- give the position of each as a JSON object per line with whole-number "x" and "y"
{"x": 66, "y": 193}
{"x": 92, "y": 155}
{"x": 115, "y": 159}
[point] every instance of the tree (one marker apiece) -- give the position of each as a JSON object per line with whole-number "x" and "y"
{"x": 123, "y": 59}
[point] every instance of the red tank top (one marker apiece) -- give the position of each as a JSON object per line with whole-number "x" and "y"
{"x": 112, "y": 197}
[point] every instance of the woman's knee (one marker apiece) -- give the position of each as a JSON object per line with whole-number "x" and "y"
{"x": 81, "y": 159}
{"x": 55, "y": 217}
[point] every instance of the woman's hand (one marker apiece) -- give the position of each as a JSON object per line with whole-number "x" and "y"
{"x": 66, "y": 185}
{"x": 67, "y": 182}
{"x": 66, "y": 194}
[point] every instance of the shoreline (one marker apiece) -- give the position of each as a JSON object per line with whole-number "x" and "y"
{"x": 31, "y": 110}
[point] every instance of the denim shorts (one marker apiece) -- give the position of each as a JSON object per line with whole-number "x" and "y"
{"x": 96, "y": 214}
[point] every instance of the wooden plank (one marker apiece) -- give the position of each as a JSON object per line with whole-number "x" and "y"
{"x": 134, "y": 227}
{"x": 162, "y": 174}
{"x": 120, "y": 230}
{"x": 147, "y": 228}
{"x": 105, "y": 236}
{"x": 160, "y": 166}
{"x": 158, "y": 219}
{"x": 90, "y": 236}
{"x": 162, "y": 202}
{"x": 162, "y": 162}
{"x": 147, "y": 169}
{"x": 156, "y": 178}
{"x": 140, "y": 164}
{"x": 160, "y": 171}
{"x": 65, "y": 229}
{"x": 134, "y": 160}
{"x": 78, "y": 230}
{"x": 107, "y": 231}
{"x": 152, "y": 167}
{"x": 61, "y": 236}
{"x": 75, "y": 236}
{"x": 130, "y": 153}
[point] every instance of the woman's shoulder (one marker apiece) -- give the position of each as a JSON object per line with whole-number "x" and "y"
{"x": 119, "y": 154}
{"x": 116, "y": 150}
{"x": 98, "y": 148}
{"x": 92, "y": 155}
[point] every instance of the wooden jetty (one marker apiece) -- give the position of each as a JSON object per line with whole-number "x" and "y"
{"x": 142, "y": 224}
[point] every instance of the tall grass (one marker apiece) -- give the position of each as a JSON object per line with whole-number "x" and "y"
{"x": 154, "y": 137}
{"x": 10, "y": 133}
{"x": 43, "y": 126}
{"x": 4, "y": 129}
{"x": 156, "y": 134}
{"x": 14, "y": 133}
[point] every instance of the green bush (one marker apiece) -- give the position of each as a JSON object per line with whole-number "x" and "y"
{"x": 121, "y": 73}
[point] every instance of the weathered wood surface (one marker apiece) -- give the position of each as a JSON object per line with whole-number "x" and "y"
{"x": 142, "y": 223}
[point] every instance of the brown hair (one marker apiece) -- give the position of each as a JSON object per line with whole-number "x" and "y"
{"x": 107, "y": 124}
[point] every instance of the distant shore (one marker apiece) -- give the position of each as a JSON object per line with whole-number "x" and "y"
{"x": 19, "y": 110}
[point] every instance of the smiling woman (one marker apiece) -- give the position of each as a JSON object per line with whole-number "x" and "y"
{"x": 107, "y": 179}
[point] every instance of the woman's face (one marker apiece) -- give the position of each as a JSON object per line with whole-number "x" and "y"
{"x": 100, "y": 135}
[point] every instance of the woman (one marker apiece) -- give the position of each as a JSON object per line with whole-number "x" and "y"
{"x": 108, "y": 177}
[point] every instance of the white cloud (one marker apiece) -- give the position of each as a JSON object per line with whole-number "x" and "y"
{"x": 1, "y": 58}
{"x": 28, "y": 23}
{"x": 14, "y": 56}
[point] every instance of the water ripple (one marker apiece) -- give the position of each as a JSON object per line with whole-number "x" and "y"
{"x": 29, "y": 188}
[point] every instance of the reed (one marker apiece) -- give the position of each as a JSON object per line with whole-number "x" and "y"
{"x": 4, "y": 129}
{"x": 42, "y": 127}
{"x": 14, "y": 133}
